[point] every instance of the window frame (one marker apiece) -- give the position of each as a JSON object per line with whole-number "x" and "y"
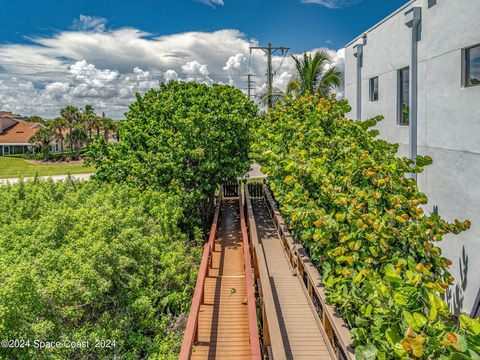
{"x": 371, "y": 94}
{"x": 466, "y": 66}
{"x": 400, "y": 72}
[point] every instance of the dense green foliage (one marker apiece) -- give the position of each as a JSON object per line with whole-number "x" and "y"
{"x": 184, "y": 135}
{"x": 344, "y": 193}
{"x": 89, "y": 261}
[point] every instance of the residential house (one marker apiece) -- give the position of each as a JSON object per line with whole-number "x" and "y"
{"x": 15, "y": 134}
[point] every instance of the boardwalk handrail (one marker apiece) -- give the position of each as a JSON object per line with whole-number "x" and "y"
{"x": 191, "y": 331}
{"x": 251, "y": 303}
{"x": 337, "y": 331}
{"x": 272, "y": 335}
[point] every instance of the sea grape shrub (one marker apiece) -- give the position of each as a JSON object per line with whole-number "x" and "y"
{"x": 183, "y": 135}
{"x": 348, "y": 197}
{"x": 84, "y": 261}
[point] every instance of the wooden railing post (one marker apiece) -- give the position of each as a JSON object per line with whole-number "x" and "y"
{"x": 327, "y": 326}
{"x": 272, "y": 335}
{"x": 252, "y": 309}
{"x": 190, "y": 336}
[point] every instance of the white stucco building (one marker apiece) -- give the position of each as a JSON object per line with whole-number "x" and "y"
{"x": 420, "y": 69}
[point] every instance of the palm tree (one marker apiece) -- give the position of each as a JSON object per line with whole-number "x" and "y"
{"x": 89, "y": 110}
{"x": 72, "y": 116}
{"x": 264, "y": 97}
{"x": 42, "y": 139}
{"x": 57, "y": 126}
{"x": 77, "y": 137}
{"x": 315, "y": 75}
{"x": 90, "y": 119}
{"x": 107, "y": 126}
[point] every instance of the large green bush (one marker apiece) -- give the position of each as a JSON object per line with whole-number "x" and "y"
{"x": 183, "y": 135}
{"x": 346, "y": 195}
{"x": 89, "y": 261}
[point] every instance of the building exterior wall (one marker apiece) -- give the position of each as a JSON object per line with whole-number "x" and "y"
{"x": 448, "y": 119}
{"x": 14, "y": 149}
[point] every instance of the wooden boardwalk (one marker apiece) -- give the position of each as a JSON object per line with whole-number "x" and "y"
{"x": 223, "y": 324}
{"x": 257, "y": 275}
{"x": 302, "y": 333}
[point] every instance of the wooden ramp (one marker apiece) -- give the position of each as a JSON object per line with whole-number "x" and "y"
{"x": 223, "y": 331}
{"x": 225, "y": 312}
{"x": 222, "y": 323}
{"x": 302, "y": 333}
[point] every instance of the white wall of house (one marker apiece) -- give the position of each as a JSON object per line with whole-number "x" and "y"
{"x": 448, "y": 118}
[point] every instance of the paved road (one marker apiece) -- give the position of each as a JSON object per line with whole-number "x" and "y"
{"x": 54, "y": 178}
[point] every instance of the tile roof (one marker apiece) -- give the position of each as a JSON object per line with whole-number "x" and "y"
{"x": 6, "y": 114}
{"x": 20, "y": 133}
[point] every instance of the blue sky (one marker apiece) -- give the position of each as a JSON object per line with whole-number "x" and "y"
{"x": 102, "y": 52}
{"x": 286, "y": 22}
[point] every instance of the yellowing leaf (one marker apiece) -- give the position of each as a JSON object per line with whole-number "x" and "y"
{"x": 288, "y": 180}
{"x": 318, "y": 223}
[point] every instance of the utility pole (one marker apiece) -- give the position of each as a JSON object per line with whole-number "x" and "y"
{"x": 250, "y": 85}
{"x": 270, "y": 50}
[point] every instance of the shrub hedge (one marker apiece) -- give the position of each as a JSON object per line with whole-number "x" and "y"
{"x": 348, "y": 197}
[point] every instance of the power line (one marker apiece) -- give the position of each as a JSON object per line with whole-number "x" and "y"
{"x": 270, "y": 50}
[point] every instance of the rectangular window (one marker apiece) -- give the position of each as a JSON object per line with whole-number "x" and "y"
{"x": 374, "y": 89}
{"x": 403, "y": 96}
{"x": 472, "y": 66}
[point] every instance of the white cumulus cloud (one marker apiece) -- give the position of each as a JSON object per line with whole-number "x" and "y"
{"x": 235, "y": 62}
{"x": 105, "y": 67}
{"x": 170, "y": 75}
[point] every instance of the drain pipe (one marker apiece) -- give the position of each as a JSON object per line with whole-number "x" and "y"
{"x": 358, "y": 53}
{"x": 412, "y": 20}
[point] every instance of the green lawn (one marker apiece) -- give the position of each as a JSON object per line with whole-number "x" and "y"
{"x": 15, "y": 167}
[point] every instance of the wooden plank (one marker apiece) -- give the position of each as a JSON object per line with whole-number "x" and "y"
{"x": 332, "y": 322}
{"x": 301, "y": 333}
{"x": 224, "y": 324}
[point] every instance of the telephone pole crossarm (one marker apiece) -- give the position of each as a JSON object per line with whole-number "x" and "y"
{"x": 270, "y": 50}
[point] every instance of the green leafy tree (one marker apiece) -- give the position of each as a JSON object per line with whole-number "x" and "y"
{"x": 34, "y": 118}
{"x": 347, "y": 196}
{"x": 85, "y": 261}
{"x": 315, "y": 75}
{"x": 184, "y": 135}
